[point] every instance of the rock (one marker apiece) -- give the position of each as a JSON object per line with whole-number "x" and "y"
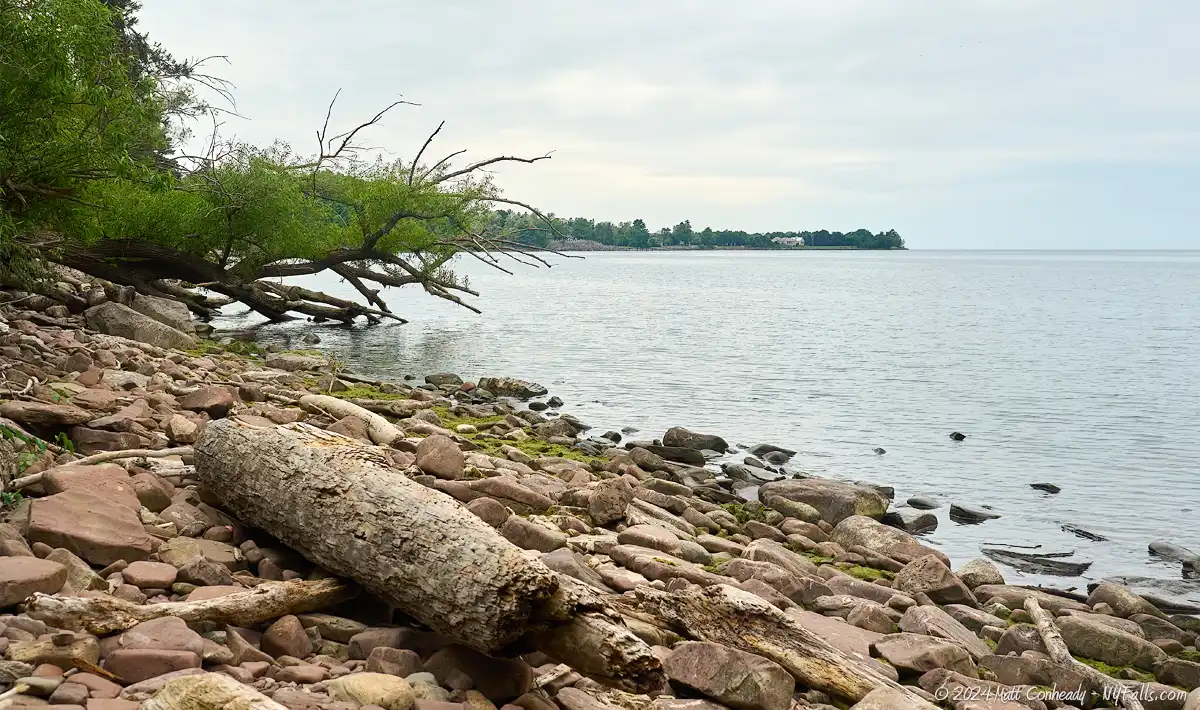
{"x": 917, "y": 653}
{"x": 498, "y": 679}
{"x": 150, "y": 575}
{"x": 182, "y": 430}
{"x": 872, "y": 617}
{"x": 680, "y": 454}
{"x": 793, "y": 509}
{"x": 332, "y": 628}
{"x": 957, "y": 436}
{"x": 153, "y": 492}
{"x": 393, "y": 661}
{"x": 1014, "y": 598}
{"x": 1124, "y": 603}
{"x": 565, "y": 561}
{"x": 911, "y": 521}
{"x": 968, "y": 514}
{"x": 932, "y": 621}
{"x": 923, "y": 503}
{"x": 21, "y": 577}
{"x": 531, "y": 536}
{"x": 443, "y": 379}
{"x": 163, "y": 634}
{"x": 734, "y": 678}
{"x": 973, "y": 619}
{"x": 303, "y": 674}
{"x": 115, "y": 319}
{"x": 978, "y": 572}
{"x": 179, "y": 551}
{"x": 80, "y": 576}
{"x": 683, "y": 438}
{"x": 883, "y": 699}
{"x": 214, "y": 401}
{"x": 44, "y": 414}
{"x": 165, "y": 311}
{"x": 93, "y": 441}
{"x": 835, "y": 500}
{"x": 1179, "y": 672}
{"x": 107, "y": 479}
{"x": 880, "y": 538}
{"x": 440, "y": 456}
{"x": 69, "y": 694}
{"x": 385, "y": 691}
{"x": 201, "y": 572}
{"x": 286, "y": 637}
{"x": 489, "y": 511}
{"x": 1102, "y": 642}
{"x": 609, "y": 500}
{"x": 90, "y": 526}
{"x": 144, "y": 690}
{"x": 927, "y": 575}
{"x": 512, "y": 387}
{"x": 837, "y": 633}
{"x": 291, "y": 362}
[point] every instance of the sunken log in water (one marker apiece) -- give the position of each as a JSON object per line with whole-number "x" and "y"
{"x": 343, "y": 507}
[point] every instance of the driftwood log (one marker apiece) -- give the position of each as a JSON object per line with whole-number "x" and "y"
{"x": 206, "y": 691}
{"x": 341, "y": 505}
{"x": 35, "y": 478}
{"x": 1059, "y": 652}
{"x": 380, "y": 430}
{"x": 105, "y": 615}
{"x": 738, "y": 619}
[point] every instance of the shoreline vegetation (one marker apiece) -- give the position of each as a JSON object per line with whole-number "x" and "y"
{"x": 587, "y": 245}
{"x": 583, "y": 234}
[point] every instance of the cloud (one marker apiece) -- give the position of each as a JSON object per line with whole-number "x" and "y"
{"x": 763, "y": 115}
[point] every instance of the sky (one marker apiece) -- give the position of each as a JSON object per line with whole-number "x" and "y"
{"x": 970, "y": 124}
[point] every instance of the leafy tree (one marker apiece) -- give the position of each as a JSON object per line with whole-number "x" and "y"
{"x": 88, "y": 111}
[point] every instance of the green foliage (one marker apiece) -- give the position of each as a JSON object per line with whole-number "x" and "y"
{"x": 815, "y": 557}
{"x": 34, "y": 447}
{"x": 65, "y": 442}
{"x": 531, "y": 230}
{"x": 357, "y": 391}
{"x": 1189, "y": 655}
{"x": 73, "y": 111}
{"x": 10, "y": 499}
{"x": 745, "y": 514}
{"x": 867, "y": 574}
{"x": 1117, "y": 671}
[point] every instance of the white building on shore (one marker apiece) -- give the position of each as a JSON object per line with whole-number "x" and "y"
{"x": 789, "y": 241}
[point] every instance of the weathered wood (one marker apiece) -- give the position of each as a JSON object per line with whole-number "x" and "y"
{"x": 341, "y": 505}
{"x": 209, "y": 691}
{"x": 105, "y": 615}
{"x": 1057, "y": 648}
{"x": 35, "y": 478}
{"x": 738, "y": 619}
{"x": 380, "y": 430}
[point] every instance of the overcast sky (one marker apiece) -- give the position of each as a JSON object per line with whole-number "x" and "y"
{"x": 960, "y": 123}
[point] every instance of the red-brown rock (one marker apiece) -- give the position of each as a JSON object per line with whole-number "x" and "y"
{"x": 89, "y": 525}
{"x": 106, "y": 479}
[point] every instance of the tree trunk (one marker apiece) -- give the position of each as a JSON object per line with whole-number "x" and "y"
{"x": 341, "y": 505}
{"x": 1059, "y": 652}
{"x": 105, "y": 615}
{"x": 738, "y": 619}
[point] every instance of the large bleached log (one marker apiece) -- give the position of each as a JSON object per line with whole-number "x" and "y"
{"x": 1057, "y": 647}
{"x": 738, "y": 619}
{"x": 380, "y": 430}
{"x": 209, "y": 691}
{"x": 341, "y": 505}
{"x": 105, "y": 615}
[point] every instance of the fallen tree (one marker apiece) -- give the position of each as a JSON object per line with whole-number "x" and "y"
{"x": 344, "y": 507}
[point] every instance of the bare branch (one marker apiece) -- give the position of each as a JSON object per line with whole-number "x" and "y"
{"x": 412, "y": 170}
{"x": 490, "y": 161}
{"x": 440, "y": 163}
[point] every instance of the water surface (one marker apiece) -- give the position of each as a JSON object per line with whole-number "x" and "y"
{"x": 1075, "y": 368}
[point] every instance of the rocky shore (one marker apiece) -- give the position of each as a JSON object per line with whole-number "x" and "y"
{"x": 191, "y": 524}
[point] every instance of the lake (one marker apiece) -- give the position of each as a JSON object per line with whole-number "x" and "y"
{"x": 1080, "y": 369}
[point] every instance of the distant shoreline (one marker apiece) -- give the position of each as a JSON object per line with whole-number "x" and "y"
{"x": 576, "y": 245}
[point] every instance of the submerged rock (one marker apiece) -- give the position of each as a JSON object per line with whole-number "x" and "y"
{"x": 512, "y": 387}
{"x": 683, "y": 438}
{"x": 970, "y": 514}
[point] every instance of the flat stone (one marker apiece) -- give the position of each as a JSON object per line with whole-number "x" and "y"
{"x": 89, "y": 525}
{"x": 21, "y": 577}
{"x": 932, "y": 621}
{"x": 167, "y": 634}
{"x": 106, "y": 479}
{"x": 439, "y": 456}
{"x": 286, "y": 637}
{"x": 834, "y": 500}
{"x": 215, "y": 401}
{"x": 927, "y": 575}
{"x": 150, "y": 575}
{"x": 181, "y": 550}
{"x": 44, "y": 414}
{"x": 498, "y": 679}
{"x": 882, "y": 539}
{"x": 113, "y": 318}
{"x": 80, "y": 576}
{"x": 918, "y": 653}
{"x": 385, "y": 691}
{"x": 137, "y": 664}
{"x": 1102, "y": 642}
{"x": 734, "y": 678}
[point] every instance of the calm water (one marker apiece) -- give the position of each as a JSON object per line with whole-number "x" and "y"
{"x": 1080, "y": 369}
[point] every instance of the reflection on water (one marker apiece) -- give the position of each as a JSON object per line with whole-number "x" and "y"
{"x": 1077, "y": 369}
